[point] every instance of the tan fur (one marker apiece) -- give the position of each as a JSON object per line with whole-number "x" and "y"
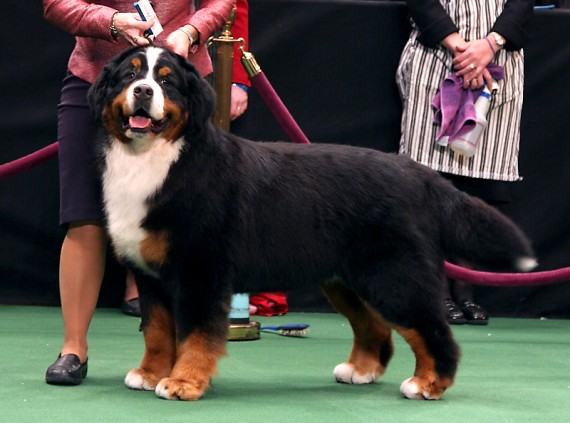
{"x": 154, "y": 248}
{"x": 164, "y": 71}
{"x": 111, "y": 117}
{"x": 137, "y": 63}
{"x": 371, "y": 332}
{"x": 177, "y": 123}
{"x": 196, "y": 361}
{"x": 160, "y": 346}
{"x": 425, "y": 375}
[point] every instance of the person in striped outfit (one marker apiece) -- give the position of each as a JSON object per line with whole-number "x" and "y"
{"x": 463, "y": 37}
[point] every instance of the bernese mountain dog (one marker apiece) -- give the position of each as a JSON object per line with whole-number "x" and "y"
{"x": 198, "y": 213}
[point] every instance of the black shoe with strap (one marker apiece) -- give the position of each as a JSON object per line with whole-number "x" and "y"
{"x": 66, "y": 370}
{"x": 453, "y": 313}
{"x": 474, "y": 313}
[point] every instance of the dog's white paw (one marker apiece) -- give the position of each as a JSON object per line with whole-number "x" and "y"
{"x": 346, "y": 373}
{"x": 411, "y": 390}
{"x": 178, "y": 389}
{"x": 162, "y": 391}
{"x": 135, "y": 380}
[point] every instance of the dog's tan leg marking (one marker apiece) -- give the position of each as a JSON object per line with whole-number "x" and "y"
{"x": 426, "y": 383}
{"x": 160, "y": 351}
{"x": 196, "y": 362}
{"x": 372, "y": 347}
{"x": 154, "y": 248}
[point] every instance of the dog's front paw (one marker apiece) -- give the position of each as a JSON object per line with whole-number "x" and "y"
{"x": 141, "y": 380}
{"x": 178, "y": 389}
{"x": 420, "y": 389}
{"x": 347, "y": 373}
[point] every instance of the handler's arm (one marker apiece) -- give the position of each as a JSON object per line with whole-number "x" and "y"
{"x": 80, "y": 18}
{"x": 432, "y": 21}
{"x": 511, "y": 24}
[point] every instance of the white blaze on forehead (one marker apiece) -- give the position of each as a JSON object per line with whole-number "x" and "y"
{"x": 156, "y": 110}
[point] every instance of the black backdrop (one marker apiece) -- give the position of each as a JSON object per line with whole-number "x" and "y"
{"x": 333, "y": 65}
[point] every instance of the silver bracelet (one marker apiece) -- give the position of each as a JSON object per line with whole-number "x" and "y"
{"x": 190, "y": 38}
{"x": 499, "y": 39}
{"x": 112, "y": 27}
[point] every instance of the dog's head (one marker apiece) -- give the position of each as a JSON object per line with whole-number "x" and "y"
{"x": 151, "y": 93}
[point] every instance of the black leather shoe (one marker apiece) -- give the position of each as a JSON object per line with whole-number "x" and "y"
{"x": 453, "y": 314}
{"x": 66, "y": 370}
{"x": 474, "y": 313}
{"x": 131, "y": 307}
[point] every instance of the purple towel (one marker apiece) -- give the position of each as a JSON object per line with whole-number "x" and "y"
{"x": 454, "y": 106}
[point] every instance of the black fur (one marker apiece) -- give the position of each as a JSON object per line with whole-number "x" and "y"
{"x": 249, "y": 216}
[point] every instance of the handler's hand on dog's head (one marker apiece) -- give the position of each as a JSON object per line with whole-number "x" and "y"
{"x": 131, "y": 28}
{"x": 178, "y": 41}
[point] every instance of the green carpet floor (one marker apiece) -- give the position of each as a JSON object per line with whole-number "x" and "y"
{"x": 514, "y": 370}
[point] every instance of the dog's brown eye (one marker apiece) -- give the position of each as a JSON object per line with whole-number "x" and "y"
{"x": 164, "y": 82}
{"x": 131, "y": 75}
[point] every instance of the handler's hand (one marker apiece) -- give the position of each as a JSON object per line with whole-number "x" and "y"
{"x": 131, "y": 28}
{"x": 238, "y": 102}
{"x": 178, "y": 41}
{"x": 470, "y": 62}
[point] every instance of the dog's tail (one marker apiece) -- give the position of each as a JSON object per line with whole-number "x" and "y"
{"x": 478, "y": 234}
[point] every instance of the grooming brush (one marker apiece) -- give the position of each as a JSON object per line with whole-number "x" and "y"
{"x": 294, "y": 329}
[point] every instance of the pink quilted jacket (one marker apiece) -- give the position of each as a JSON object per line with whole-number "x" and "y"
{"x": 89, "y": 21}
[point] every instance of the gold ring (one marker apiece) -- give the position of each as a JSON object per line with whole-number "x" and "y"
{"x": 472, "y": 66}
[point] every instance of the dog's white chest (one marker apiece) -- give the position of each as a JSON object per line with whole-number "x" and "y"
{"x": 129, "y": 179}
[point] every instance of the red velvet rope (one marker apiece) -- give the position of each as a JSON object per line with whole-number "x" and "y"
{"x": 280, "y": 112}
{"x": 29, "y": 161}
{"x": 507, "y": 279}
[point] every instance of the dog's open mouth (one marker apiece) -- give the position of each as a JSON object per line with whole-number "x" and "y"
{"x": 141, "y": 122}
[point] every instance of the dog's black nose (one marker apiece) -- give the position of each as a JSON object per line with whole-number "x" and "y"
{"x": 143, "y": 92}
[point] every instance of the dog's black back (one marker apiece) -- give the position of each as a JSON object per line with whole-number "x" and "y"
{"x": 287, "y": 212}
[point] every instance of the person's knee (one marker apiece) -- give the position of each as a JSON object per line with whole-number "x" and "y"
{"x": 87, "y": 231}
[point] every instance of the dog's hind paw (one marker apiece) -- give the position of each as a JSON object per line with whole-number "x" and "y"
{"x": 177, "y": 389}
{"x": 140, "y": 380}
{"x": 346, "y": 373}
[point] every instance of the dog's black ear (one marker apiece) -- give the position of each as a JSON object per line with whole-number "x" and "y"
{"x": 98, "y": 91}
{"x": 201, "y": 98}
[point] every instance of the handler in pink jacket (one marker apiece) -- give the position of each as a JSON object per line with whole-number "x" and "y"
{"x": 103, "y": 29}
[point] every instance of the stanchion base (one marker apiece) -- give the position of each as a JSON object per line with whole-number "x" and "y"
{"x": 245, "y": 332}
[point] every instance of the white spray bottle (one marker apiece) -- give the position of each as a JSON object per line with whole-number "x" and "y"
{"x": 466, "y": 144}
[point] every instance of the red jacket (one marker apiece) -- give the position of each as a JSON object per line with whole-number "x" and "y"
{"x": 240, "y": 29}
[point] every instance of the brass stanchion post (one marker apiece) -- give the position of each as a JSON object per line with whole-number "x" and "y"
{"x": 223, "y": 73}
{"x": 241, "y": 329}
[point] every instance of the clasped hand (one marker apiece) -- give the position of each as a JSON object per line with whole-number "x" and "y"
{"x": 470, "y": 62}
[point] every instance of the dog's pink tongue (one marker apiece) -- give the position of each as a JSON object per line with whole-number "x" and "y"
{"x": 140, "y": 122}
